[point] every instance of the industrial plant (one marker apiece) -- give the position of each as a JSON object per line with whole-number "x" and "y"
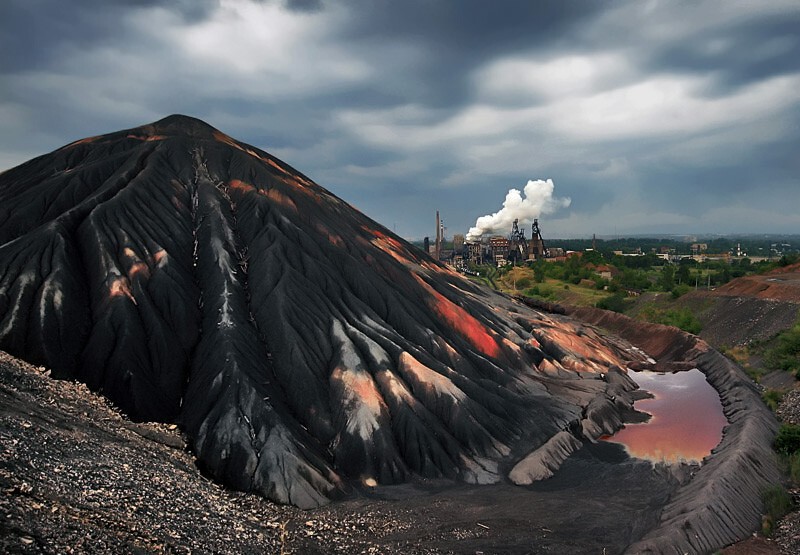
{"x": 498, "y": 250}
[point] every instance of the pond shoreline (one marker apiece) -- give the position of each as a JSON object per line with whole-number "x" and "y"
{"x": 722, "y": 503}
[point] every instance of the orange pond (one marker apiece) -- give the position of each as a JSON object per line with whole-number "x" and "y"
{"x": 686, "y": 423}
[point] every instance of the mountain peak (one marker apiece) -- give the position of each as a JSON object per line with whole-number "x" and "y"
{"x": 179, "y": 124}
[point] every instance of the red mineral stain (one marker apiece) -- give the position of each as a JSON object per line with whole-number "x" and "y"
{"x": 334, "y": 238}
{"x": 277, "y": 196}
{"x": 687, "y": 418}
{"x": 389, "y": 245}
{"x": 223, "y": 138}
{"x": 87, "y": 140}
{"x": 138, "y": 268}
{"x": 275, "y": 165}
{"x": 241, "y": 186}
{"x": 146, "y": 138}
{"x": 461, "y": 321}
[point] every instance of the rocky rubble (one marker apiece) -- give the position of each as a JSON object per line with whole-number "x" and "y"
{"x": 789, "y": 408}
{"x": 77, "y": 477}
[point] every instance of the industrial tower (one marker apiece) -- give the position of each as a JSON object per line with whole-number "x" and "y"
{"x": 536, "y": 246}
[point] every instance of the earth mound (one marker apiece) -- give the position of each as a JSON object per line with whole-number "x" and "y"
{"x": 303, "y": 348}
{"x": 749, "y": 308}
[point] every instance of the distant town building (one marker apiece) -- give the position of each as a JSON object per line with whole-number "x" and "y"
{"x": 607, "y": 272}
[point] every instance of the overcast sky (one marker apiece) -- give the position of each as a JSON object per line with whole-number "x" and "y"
{"x": 661, "y": 117}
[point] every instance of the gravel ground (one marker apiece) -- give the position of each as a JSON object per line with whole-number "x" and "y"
{"x": 77, "y": 477}
{"x": 787, "y": 532}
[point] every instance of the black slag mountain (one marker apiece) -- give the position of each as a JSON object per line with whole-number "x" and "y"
{"x": 302, "y": 347}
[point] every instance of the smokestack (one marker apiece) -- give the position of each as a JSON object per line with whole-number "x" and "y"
{"x": 438, "y": 247}
{"x": 535, "y": 199}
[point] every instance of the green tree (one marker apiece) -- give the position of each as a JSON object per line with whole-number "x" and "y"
{"x": 683, "y": 273}
{"x": 539, "y": 271}
{"x": 667, "y": 280}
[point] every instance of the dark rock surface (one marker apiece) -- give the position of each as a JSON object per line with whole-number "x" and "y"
{"x": 76, "y": 476}
{"x": 303, "y": 348}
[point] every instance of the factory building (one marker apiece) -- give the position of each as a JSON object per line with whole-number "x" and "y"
{"x": 500, "y": 250}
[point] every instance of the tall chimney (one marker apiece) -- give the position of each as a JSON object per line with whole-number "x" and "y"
{"x": 438, "y": 247}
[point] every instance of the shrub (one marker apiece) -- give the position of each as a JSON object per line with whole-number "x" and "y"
{"x": 615, "y": 302}
{"x": 794, "y": 468}
{"x": 776, "y": 504}
{"x": 682, "y": 319}
{"x": 523, "y": 283}
{"x": 786, "y": 355}
{"x": 772, "y": 398}
{"x": 680, "y": 290}
{"x": 787, "y": 441}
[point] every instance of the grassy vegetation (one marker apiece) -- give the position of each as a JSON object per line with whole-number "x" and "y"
{"x": 613, "y": 282}
{"x": 776, "y": 504}
{"x": 776, "y": 500}
{"x": 772, "y": 398}
{"x": 680, "y": 318}
{"x": 785, "y": 355}
{"x": 787, "y": 442}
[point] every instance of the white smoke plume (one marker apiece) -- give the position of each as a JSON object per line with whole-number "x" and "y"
{"x": 536, "y": 199}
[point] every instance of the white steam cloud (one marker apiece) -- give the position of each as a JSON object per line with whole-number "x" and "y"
{"x": 536, "y": 199}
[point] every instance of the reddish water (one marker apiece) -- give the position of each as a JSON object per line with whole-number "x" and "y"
{"x": 687, "y": 418}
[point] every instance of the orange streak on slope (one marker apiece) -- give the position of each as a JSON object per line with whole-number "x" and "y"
{"x": 241, "y": 186}
{"x": 84, "y": 141}
{"x": 273, "y": 194}
{"x": 334, "y": 238}
{"x": 461, "y": 321}
{"x": 146, "y": 137}
{"x": 294, "y": 180}
{"x": 389, "y": 245}
{"x": 277, "y": 196}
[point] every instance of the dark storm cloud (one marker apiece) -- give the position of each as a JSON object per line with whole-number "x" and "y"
{"x": 738, "y": 55}
{"x": 631, "y": 107}
{"x": 304, "y": 5}
{"x": 458, "y": 37}
{"x": 34, "y": 32}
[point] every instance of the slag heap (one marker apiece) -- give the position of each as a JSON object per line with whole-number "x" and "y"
{"x": 304, "y": 348}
